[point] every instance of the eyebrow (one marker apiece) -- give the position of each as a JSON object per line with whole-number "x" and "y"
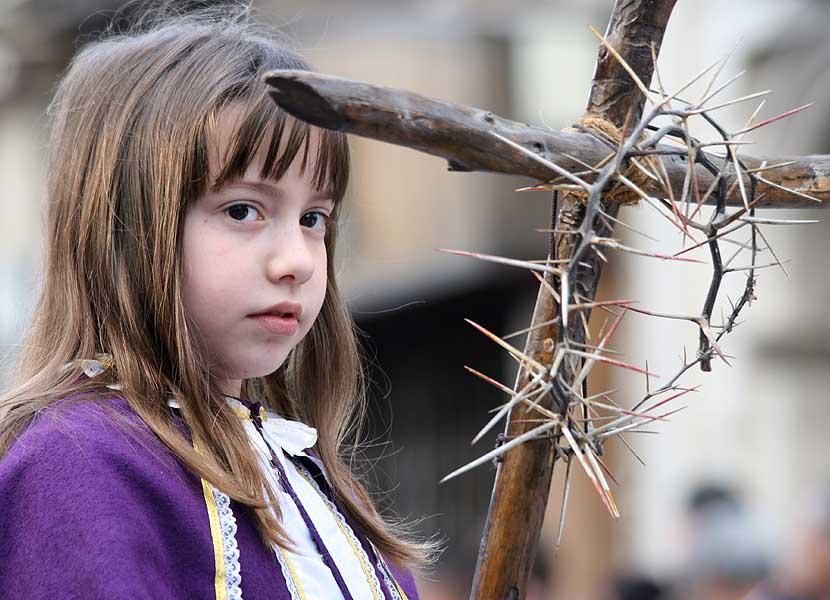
{"x": 267, "y": 188}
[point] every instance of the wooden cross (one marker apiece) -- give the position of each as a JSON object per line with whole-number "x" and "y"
{"x": 475, "y": 140}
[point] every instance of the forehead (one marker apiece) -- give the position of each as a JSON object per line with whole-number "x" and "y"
{"x": 241, "y": 145}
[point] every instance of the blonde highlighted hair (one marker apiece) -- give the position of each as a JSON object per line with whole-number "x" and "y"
{"x": 131, "y": 121}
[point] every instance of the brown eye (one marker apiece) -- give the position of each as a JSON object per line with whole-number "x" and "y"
{"x": 242, "y": 212}
{"x": 314, "y": 220}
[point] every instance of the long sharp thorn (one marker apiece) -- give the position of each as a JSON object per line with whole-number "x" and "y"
{"x": 775, "y": 118}
{"x": 583, "y": 463}
{"x": 664, "y": 401}
{"x": 634, "y": 77}
{"x": 657, "y": 76}
{"x": 714, "y": 344}
{"x": 689, "y": 83}
{"x": 489, "y": 380}
{"x": 544, "y": 282}
{"x": 708, "y": 240}
{"x": 634, "y": 426}
{"x": 721, "y": 87}
{"x": 517, "y": 397}
{"x": 565, "y": 494}
{"x": 565, "y": 296}
{"x": 543, "y": 161}
{"x": 790, "y": 190}
{"x": 629, "y": 227}
{"x": 649, "y": 200}
{"x": 757, "y": 267}
{"x": 706, "y": 96}
{"x": 766, "y": 167}
{"x": 751, "y": 118}
{"x": 739, "y": 176}
{"x": 617, "y": 246}
{"x": 662, "y": 315}
{"x": 725, "y": 143}
{"x": 630, "y": 449}
{"x": 531, "y": 328}
{"x": 606, "y": 489}
{"x": 589, "y": 363}
{"x": 611, "y": 361}
{"x": 602, "y": 481}
{"x": 765, "y": 221}
{"x": 502, "y": 449}
{"x": 514, "y": 351}
{"x": 503, "y": 261}
{"x": 697, "y": 111}
{"x": 771, "y": 251}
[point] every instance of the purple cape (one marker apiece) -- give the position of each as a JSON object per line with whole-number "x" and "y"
{"x": 95, "y": 506}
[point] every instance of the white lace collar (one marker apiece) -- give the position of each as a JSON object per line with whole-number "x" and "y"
{"x": 292, "y": 436}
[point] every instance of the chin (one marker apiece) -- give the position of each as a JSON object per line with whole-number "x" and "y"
{"x": 261, "y": 369}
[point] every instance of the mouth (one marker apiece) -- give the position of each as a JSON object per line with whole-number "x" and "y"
{"x": 283, "y": 309}
{"x": 281, "y": 319}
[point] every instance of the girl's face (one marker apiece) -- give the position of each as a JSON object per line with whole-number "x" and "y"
{"x": 254, "y": 264}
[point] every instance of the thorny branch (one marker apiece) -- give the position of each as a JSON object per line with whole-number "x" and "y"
{"x": 657, "y": 162}
{"x": 585, "y": 423}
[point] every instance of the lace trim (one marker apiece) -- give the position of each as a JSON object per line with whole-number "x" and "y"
{"x": 395, "y": 590}
{"x": 230, "y": 547}
{"x": 357, "y": 548}
{"x": 292, "y": 582}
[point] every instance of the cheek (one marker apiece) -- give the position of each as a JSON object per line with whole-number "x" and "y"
{"x": 205, "y": 283}
{"x": 322, "y": 277}
{"x": 317, "y": 286}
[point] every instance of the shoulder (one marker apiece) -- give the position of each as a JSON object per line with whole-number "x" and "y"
{"x": 94, "y": 505}
{"x": 83, "y": 436}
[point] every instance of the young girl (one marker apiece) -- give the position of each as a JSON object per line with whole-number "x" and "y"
{"x": 190, "y": 379}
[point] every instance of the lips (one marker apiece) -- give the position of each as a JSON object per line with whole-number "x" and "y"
{"x": 280, "y": 319}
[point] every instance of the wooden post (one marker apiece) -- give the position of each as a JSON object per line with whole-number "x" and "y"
{"x": 520, "y": 493}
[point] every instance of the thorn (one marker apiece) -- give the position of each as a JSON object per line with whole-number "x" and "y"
{"x": 697, "y": 111}
{"x": 611, "y": 361}
{"x": 502, "y": 449}
{"x": 512, "y": 350}
{"x": 790, "y": 190}
{"x": 565, "y": 494}
{"x": 775, "y": 118}
{"x": 634, "y": 77}
{"x": 504, "y": 261}
{"x": 543, "y": 161}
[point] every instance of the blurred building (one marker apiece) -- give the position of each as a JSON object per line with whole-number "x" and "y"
{"x": 759, "y": 425}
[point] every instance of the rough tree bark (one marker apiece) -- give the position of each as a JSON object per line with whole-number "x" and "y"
{"x": 463, "y": 136}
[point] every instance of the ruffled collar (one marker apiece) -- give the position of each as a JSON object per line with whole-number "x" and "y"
{"x": 294, "y": 437}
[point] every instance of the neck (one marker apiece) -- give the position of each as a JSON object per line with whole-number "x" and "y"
{"x": 231, "y": 387}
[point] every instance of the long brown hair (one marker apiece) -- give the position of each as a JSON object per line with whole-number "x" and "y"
{"x": 131, "y": 120}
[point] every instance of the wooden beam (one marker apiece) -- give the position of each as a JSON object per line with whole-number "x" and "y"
{"x": 463, "y": 135}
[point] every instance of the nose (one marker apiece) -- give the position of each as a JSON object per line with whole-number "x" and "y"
{"x": 290, "y": 257}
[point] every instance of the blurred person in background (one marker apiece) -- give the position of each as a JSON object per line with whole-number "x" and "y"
{"x": 727, "y": 555}
{"x": 804, "y": 573}
{"x": 635, "y": 587}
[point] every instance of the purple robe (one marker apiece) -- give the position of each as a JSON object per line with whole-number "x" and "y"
{"x": 94, "y": 506}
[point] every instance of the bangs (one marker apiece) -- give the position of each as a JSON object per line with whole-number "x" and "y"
{"x": 266, "y": 123}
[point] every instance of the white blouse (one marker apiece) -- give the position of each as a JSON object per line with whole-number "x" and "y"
{"x": 304, "y": 563}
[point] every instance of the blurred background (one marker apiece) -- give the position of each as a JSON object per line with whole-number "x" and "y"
{"x": 733, "y": 498}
